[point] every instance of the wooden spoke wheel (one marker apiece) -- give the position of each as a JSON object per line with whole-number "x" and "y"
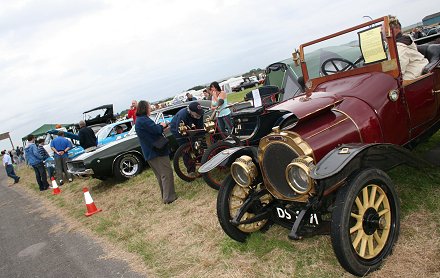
{"x": 365, "y": 222}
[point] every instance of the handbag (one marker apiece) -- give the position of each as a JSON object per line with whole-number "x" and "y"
{"x": 161, "y": 143}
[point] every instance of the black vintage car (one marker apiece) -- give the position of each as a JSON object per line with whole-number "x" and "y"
{"x": 253, "y": 123}
{"x": 93, "y": 116}
{"x": 123, "y": 159}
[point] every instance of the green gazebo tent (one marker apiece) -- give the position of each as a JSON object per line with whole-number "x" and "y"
{"x": 43, "y": 129}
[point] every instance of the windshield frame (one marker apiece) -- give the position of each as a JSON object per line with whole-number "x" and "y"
{"x": 390, "y": 66}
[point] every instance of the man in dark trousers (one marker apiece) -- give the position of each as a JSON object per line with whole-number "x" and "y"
{"x": 191, "y": 115}
{"x": 60, "y": 146}
{"x": 87, "y": 138}
{"x": 34, "y": 159}
{"x": 7, "y": 162}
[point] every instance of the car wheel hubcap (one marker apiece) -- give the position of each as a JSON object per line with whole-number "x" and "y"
{"x": 370, "y": 221}
{"x": 129, "y": 167}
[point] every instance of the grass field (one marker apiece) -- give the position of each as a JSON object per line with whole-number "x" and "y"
{"x": 238, "y": 96}
{"x": 184, "y": 239}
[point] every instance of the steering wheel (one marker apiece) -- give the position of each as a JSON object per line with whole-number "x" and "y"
{"x": 335, "y": 65}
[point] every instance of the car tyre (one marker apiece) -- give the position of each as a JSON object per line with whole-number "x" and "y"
{"x": 226, "y": 208}
{"x": 215, "y": 177}
{"x": 179, "y": 166}
{"x": 127, "y": 166}
{"x": 365, "y": 222}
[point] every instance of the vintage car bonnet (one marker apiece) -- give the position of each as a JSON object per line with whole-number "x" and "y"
{"x": 307, "y": 107}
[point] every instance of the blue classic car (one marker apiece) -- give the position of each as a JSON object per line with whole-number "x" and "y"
{"x": 113, "y": 132}
{"x": 105, "y": 135}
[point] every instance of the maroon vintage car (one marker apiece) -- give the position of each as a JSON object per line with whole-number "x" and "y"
{"x": 323, "y": 169}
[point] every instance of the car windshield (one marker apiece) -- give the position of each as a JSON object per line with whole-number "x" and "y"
{"x": 47, "y": 139}
{"x": 104, "y": 132}
{"x": 153, "y": 116}
{"x": 346, "y": 51}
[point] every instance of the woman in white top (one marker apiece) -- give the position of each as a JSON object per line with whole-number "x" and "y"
{"x": 219, "y": 102}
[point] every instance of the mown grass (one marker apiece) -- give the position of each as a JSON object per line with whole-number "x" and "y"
{"x": 238, "y": 96}
{"x": 184, "y": 239}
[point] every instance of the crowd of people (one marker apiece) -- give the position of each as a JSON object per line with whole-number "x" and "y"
{"x": 150, "y": 134}
{"x": 421, "y": 32}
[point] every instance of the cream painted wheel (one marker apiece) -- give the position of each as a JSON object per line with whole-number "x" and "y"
{"x": 372, "y": 218}
{"x": 236, "y": 200}
{"x": 365, "y": 222}
{"x": 230, "y": 199}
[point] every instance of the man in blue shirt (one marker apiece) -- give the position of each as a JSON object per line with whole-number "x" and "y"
{"x": 60, "y": 146}
{"x": 191, "y": 115}
{"x": 7, "y": 162}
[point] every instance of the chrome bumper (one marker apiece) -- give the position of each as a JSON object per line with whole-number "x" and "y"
{"x": 86, "y": 172}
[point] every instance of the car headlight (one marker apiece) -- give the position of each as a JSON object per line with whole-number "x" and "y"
{"x": 209, "y": 126}
{"x": 298, "y": 174}
{"x": 244, "y": 171}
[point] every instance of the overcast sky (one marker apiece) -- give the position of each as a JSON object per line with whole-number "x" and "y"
{"x": 59, "y": 58}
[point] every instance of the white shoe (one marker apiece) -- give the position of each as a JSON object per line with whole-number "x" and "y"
{"x": 70, "y": 180}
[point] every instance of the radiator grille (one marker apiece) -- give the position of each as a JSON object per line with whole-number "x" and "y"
{"x": 276, "y": 157}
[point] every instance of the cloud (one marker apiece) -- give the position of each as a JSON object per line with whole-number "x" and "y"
{"x": 60, "y": 58}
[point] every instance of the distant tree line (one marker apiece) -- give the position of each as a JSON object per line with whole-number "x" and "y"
{"x": 252, "y": 72}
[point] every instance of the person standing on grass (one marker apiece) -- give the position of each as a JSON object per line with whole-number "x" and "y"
{"x": 7, "y": 162}
{"x": 43, "y": 153}
{"x": 132, "y": 111}
{"x": 34, "y": 159}
{"x": 87, "y": 138}
{"x": 148, "y": 132}
{"x": 60, "y": 147}
{"x": 219, "y": 103}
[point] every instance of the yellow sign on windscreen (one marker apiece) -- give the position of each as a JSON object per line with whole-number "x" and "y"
{"x": 372, "y": 46}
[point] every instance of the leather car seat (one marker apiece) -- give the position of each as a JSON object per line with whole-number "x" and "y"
{"x": 266, "y": 93}
{"x": 432, "y": 53}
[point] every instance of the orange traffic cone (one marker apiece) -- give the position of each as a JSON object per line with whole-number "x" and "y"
{"x": 56, "y": 189}
{"x": 91, "y": 208}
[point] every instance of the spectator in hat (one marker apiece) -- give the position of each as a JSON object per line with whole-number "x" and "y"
{"x": 190, "y": 116}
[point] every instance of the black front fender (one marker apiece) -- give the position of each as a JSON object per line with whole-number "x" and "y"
{"x": 351, "y": 157}
{"x": 226, "y": 157}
